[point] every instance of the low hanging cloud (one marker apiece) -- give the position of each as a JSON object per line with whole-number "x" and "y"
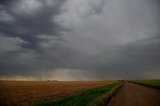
{"x": 105, "y": 39}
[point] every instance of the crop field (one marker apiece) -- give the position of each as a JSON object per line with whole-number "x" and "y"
{"x": 93, "y": 97}
{"x": 150, "y": 83}
{"x": 80, "y": 93}
{"x": 30, "y": 92}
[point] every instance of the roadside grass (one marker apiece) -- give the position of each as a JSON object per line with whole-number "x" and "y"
{"x": 105, "y": 98}
{"x": 149, "y": 83}
{"x": 92, "y": 97}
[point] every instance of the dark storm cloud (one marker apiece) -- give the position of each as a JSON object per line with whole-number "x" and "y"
{"x": 28, "y": 26}
{"x": 136, "y": 59}
{"x": 80, "y": 39}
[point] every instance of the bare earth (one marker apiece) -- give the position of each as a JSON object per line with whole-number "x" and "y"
{"x": 131, "y": 94}
{"x": 25, "y": 93}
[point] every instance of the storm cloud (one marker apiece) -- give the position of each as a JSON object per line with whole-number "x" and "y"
{"x": 80, "y": 39}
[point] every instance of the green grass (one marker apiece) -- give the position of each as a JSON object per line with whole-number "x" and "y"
{"x": 149, "y": 83}
{"x": 104, "y": 99}
{"x": 92, "y": 97}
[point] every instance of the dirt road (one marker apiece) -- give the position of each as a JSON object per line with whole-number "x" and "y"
{"x": 131, "y": 94}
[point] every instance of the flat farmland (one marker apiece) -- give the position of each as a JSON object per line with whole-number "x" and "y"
{"x": 30, "y": 92}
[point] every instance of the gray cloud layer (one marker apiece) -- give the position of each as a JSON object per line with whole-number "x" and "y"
{"x": 94, "y": 39}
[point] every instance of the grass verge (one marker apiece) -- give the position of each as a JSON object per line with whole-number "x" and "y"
{"x": 149, "y": 83}
{"x": 93, "y": 97}
{"x": 104, "y": 99}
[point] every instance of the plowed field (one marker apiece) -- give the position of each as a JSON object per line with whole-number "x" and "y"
{"x": 30, "y": 92}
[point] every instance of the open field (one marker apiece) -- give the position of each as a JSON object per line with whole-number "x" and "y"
{"x": 92, "y": 97}
{"x": 30, "y": 92}
{"x": 131, "y": 94}
{"x": 149, "y": 83}
{"x": 80, "y": 93}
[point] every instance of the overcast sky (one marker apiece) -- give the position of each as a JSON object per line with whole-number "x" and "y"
{"x": 79, "y": 39}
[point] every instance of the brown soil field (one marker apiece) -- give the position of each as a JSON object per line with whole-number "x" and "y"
{"x": 131, "y": 94}
{"x": 24, "y": 93}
